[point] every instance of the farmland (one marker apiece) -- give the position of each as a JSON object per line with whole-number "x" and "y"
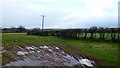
{"x": 106, "y": 53}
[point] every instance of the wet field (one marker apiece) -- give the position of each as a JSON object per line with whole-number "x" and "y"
{"x": 19, "y": 47}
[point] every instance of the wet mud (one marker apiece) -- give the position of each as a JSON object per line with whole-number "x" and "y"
{"x": 46, "y": 56}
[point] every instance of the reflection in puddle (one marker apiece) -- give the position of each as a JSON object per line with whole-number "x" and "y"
{"x": 56, "y": 47}
{"x": 32, "y": 48}
{"x": 21, "y": 53}
{"x": 44, "y": 47}
{"x": 25, "y": 62}
{"x": 47, "y": 56}
{"x": 86, "y": 62}
{"x": 72, "y": 60}
{"x": 32, "y": 51}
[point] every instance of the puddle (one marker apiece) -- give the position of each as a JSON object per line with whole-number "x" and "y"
{"x": 44, "y": 47}
{"x": 32, "y": 51}
{"x": 22, "y": 53}
{"x": 86, "y": 62}
{"x": 72, "y": 60}
{"x": 25, "y": 62}
{"x": 32, "y": 48}
{"x": 56, "y": 47}
{"x": 47, "y": 56}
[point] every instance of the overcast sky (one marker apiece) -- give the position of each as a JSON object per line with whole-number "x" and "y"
{"x": 60, "y": 13}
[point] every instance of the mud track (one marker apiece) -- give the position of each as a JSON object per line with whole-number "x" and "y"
{"x": 46, "y": 56}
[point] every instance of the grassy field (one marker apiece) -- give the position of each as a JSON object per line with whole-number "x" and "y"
{"x": 104, "y": 51}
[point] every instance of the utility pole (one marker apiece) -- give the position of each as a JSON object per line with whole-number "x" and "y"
{"x": 43, "y": 22}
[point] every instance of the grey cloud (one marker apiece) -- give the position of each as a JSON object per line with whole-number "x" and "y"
{"x": 29, "y": 15}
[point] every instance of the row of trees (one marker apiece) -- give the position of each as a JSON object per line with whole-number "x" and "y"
{"x": 14, "y": 30}
{"x": 91, "y": 33}
{"x": 21, "y": 29}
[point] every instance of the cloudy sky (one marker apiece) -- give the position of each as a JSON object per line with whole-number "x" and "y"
{"x": 59, "y": 13}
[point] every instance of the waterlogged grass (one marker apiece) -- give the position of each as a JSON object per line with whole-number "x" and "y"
{"x": 107, "y": 52}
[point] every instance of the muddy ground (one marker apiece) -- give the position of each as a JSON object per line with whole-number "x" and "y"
{"x": 46, "y": 56}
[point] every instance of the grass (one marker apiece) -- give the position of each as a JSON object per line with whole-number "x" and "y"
{"x": 107, "y": 52}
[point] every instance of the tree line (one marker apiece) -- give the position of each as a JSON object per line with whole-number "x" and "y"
{"x": 93, "y": 33}
{"x": 19, "y": 29}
